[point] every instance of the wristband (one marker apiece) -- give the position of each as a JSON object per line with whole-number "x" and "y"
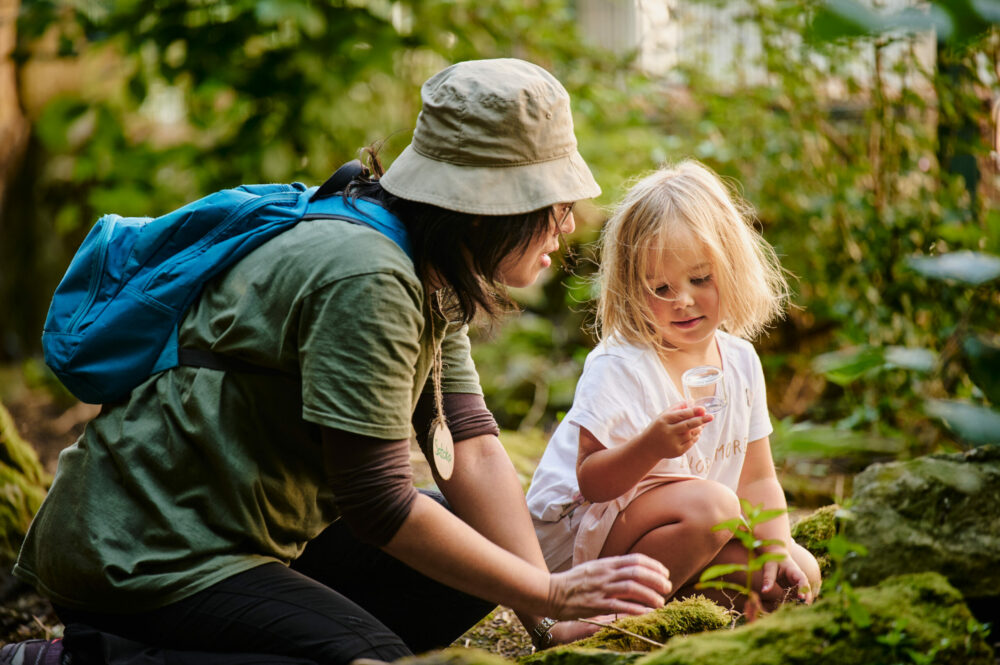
{"x": 541, "y": 635}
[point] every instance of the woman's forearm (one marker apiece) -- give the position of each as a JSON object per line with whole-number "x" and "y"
{"x": 443, "y": 547}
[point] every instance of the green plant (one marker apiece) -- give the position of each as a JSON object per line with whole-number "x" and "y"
{"x": 742, "y": 529}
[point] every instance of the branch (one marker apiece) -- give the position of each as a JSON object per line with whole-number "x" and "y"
{"x": 622, "y": 630}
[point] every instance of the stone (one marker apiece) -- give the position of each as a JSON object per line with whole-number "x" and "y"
{"x": 936, "y": 513}
{"x": 913, "y": 618}
{"x": 679, "y": 617}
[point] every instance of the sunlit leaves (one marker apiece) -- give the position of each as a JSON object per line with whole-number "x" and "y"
{"x": 982, "y": 354}
{"x": 966, "y": 267}
{"x": 976, "y": 424}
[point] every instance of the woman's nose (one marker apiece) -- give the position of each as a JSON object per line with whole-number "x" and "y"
{"x": 568, "y": 225}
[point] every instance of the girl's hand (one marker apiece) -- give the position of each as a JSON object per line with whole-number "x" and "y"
{"x": 629, "y": 584}
{"x": 678, "y": 428}
{"x": 784, "y": 580}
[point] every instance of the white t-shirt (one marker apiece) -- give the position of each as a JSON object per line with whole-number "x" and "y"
{"x": 622, "y": 389}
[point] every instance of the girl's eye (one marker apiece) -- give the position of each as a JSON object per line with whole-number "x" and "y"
{"x": 662, "y": 291}
{"x": 698, "y": 281}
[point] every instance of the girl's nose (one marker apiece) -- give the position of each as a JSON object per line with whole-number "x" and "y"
{"x": 683, "y": 299}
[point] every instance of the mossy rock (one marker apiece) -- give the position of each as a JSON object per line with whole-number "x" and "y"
{"x": 613, "y": 647}
{"x": 454, "y": 656}
{"x": 936, "y": 513}
{"x": 23, "y": 484}
{"x": 925, "y": 614}
{"x": 813, "y": 531}
{"x": 574, "y": 655}
{"x": 680, "y": 617}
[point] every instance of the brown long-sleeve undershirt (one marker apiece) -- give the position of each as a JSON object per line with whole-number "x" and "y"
{"x": 372, "y": 478}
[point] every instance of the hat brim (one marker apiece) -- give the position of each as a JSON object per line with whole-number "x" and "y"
{"x": 490, "y": 190}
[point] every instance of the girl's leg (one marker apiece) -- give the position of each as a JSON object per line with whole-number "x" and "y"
{"x": 424, "y": 613}
{"x": 269, "y": 614}
{"x": 673, "y": 524}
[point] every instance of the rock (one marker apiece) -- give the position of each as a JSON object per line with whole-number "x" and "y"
{"x": 454, "y": 656}
{"x": 937, "y": 513}
{"x": 23, "y": 484}
{"x": 813, "y": 530}
{"x": 572, "y": 655}
{"x": 914, "y": 618}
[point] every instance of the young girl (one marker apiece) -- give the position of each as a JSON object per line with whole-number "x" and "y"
{"x": 632, "y": 467}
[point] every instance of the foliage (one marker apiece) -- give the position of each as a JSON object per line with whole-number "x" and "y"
{"x": 23, "y": 484}
{"x": 860, "y": 140}
{"x": 742, "y": 529}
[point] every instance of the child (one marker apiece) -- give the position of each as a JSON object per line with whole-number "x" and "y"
{"x": 632, "y": 467}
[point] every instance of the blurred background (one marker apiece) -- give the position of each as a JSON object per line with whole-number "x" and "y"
{"x": 864, "y": 135}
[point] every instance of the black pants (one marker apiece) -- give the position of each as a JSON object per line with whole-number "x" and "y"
{"x": 340, "y": 601}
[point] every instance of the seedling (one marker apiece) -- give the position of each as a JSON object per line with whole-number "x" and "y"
{"x": 742, "y": 528}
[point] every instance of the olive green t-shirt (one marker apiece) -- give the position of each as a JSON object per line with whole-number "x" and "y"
{"x": 203, "y": 474}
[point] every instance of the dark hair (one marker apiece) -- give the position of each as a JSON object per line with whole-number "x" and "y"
{"x": 464, "y": 250}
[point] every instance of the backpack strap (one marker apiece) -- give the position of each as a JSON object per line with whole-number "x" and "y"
{"x": 339, "y": 181}
{"x": 191, "y": 357}
{"x": 321, "y": 206}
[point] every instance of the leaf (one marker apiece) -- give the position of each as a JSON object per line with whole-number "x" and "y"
{"x": 716, "y": 584}
{"x": 858, "y": 614}
{"x": 966, "y": 267}
{"x": 847, "y": 365}
{"x": 810, "y": 440}
{"x": 729, "y": 525}
{"x": 920, "y": 360}
{"x": 722, "y": 569}
{"x": 976, "y": 424}
{"x": 767, "y": 515}
{"x": 758, "y": 561}
{"x": 983, "y": 356}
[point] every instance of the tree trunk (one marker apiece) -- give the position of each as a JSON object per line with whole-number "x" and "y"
{"x": 13, "y": 125}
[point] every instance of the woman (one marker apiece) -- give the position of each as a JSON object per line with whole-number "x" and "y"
{"x": 171, "y": 524}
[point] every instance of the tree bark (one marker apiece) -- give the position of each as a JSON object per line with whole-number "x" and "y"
{"x": 13, "y": 124}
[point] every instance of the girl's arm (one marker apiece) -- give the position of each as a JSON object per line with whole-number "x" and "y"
{"x": 759, "y": 485}
{"x": 604, "y": 474}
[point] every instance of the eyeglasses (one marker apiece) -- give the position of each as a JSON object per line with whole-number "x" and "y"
{"x": 562, "y": 211}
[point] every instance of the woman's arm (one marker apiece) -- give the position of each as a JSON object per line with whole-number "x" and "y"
{"x": 443, "y": 547}
{"x": 605, "y": 474}
{"x": 371, "y": 479}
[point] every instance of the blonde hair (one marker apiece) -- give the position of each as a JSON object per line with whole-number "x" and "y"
{"x": 687, "y": 199}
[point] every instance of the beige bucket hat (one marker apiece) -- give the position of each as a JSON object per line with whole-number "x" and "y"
{"x": 494, "y": 137}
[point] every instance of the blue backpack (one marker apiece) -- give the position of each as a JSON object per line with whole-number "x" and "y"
{"x": 113, "y": 318}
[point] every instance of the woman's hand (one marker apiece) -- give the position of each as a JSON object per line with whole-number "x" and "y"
{"x": 565, "y": 632}
{"x": 630, "y": 584}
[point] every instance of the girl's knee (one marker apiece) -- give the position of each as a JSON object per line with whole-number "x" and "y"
{"x": 713, "y": 503}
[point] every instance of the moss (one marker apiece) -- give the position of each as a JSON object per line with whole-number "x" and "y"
{"x": 574, "y": 655}
{"x": 454, "y": 656}
{"x": 923, "y": 611}
{"x": 680, "y": 617}
{"x": 812, "y": 532}
{"x": 23, "y": 484}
